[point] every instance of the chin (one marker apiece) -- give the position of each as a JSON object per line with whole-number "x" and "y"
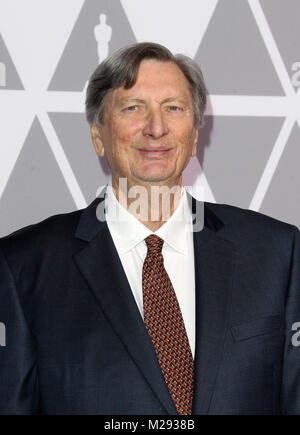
{"x": 154, "y": 176}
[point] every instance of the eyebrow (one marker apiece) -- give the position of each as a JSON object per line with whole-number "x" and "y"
{"x": 175, "y": 99}
{"x": 142, "y": 101}
{"x": 132, "y": 100}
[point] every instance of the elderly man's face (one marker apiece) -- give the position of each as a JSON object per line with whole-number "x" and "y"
{"x": 148, "y": 131}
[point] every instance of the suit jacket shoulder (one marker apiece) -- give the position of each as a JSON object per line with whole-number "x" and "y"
{"x": 59, "y": 230}
{"x": 50, "y": 237}
{"x": 233, "y": 215}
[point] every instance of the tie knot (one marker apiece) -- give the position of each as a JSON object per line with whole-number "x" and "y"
{"x": 154, "y": 244}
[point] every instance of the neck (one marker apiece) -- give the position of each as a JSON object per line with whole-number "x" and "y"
{"x": 152, "y": 203}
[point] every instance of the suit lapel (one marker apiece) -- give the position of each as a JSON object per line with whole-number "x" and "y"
{"x": 102, "y": 269}
{"x": 214, "y": 272}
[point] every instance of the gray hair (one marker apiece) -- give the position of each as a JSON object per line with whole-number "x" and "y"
{"x": 121, "y": 69}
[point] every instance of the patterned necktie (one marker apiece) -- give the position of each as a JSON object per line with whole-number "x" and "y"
{"x": 164, "y": 323}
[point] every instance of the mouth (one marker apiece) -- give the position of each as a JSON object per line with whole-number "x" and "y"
{"x": 154, "y": 151}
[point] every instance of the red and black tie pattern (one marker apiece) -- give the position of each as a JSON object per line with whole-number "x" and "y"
{"x": 164, "y": 323}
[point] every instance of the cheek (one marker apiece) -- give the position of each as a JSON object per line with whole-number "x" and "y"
{"x": 186, "y": 140}
{"x": 186, "y": 148}
{"x": 125, "y": 132}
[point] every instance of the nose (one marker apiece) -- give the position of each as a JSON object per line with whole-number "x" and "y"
{"x": 156, "y": 126}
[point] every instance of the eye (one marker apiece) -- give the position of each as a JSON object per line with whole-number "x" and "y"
{"x": 174, "y": 108}
{"x": 132, "y": 108}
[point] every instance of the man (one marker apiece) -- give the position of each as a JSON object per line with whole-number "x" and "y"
{"x": 109, "y": 311}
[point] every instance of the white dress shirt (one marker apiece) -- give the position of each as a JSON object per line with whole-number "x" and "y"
{"x": 129, "y": 234}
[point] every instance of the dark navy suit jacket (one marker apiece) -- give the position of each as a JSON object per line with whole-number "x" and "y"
{"x": 76, "y": 342}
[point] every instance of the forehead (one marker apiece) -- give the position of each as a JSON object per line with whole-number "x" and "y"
{"x": 158, "y": 80}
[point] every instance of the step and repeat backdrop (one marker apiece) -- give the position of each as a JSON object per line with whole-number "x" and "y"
{"x": 248, "y": 50}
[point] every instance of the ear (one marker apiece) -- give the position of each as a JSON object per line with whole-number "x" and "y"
{"x": 195, "y": 141}
{"x": 97, "y": 141}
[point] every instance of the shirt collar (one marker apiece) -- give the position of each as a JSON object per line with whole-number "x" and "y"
{"x": 128, "y": 231}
